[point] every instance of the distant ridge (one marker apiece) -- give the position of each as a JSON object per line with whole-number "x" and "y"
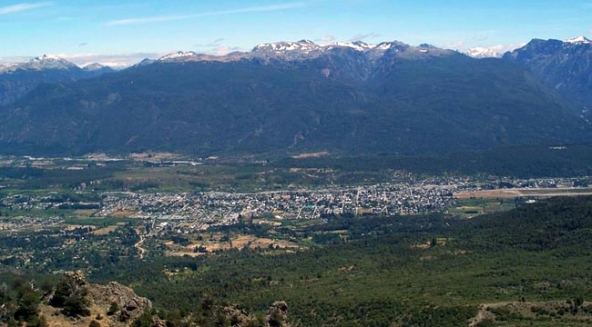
{"x": 18, "y": 79}
{"x": 303, "y": 50}
{"x": 564, "y": 65}
{"x": 286, "y": 98}
{"x": 579, "y": 40}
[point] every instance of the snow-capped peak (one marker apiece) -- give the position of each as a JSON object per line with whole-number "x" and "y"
{"x": 481, "y": 52}
{"x": 302, "y": 45}
{"x": 384, "y": 46}
{"x": 46, "y": 62}
{"x": 397, "y": 45}
{"x": 46, "y": 58}
{"x": 178, "y": 55}
{"x": 356, "y": 45}
{"x": 579, "y": 40}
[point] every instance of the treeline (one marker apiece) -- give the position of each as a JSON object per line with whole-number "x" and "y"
{"x": 521, "y": 162}
{"x": 36, "y": 178}
{"x": 557, "y": 224}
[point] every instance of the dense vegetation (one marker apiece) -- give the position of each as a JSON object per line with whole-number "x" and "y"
{"x": 409, "y": 271}
{"x": 522, "y": 162}
{"x": 82, "y": 186}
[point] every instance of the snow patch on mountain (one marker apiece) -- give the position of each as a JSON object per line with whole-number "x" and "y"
{"x": 356, "y": 45}
{"x": 482, "y": 52}
{"x": 48, "y": 62}
{"x": 303, "y": 50}
{"x": 579, "y": 40}
{"x": 302, "y": 45}
{"x": 178, "y": 55}
{"x": 306, "y": 46}
{"x": 384, "y": 46}
{"x": 41, "y": 63}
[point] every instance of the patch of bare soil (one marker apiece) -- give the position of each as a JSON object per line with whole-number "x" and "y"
{"x": 122, "y": 213}
{"x": 311, "y": 155}
{"x": 489, "y": 194}
{"x": 104, "y": 231}
{"x": 514, "y": 193}
{"x": 239, "y": 242}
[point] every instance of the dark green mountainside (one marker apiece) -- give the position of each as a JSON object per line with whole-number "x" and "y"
{"x": 403, "y": 101}
{"x": 19, "y": 79}
{"x": 563, "y": 65}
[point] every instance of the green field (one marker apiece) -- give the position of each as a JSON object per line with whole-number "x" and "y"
{"x": 469, "y": 208}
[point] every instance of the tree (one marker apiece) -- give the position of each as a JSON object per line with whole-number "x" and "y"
{"x": 145, "y": 320}
{"x": 28, "y": 306}
{"x": 434, "y": 242}
{"x": 71, "y": 295}
{"x": 77, "y": 304}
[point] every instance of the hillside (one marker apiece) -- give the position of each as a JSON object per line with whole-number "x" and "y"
{"x": 19, "y": 79}
{"x": 392, "y": 99}
{"x": 71, "y": 301}
{"x": 564, "y": 65}
{"x": 560, "y": 225}
{"x": 74, "y": 301}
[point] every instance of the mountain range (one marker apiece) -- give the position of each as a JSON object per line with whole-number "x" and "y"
{"x": 292, "y": 97}
{"x": 18, "y": 79}
{"x": 563, "y": 65}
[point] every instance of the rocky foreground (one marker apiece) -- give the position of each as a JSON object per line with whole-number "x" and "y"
{"x": 76, "y": 302}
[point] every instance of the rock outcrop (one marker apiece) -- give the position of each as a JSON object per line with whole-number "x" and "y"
{"x": 112, "y": 305}
{"x": 120, "y": 304}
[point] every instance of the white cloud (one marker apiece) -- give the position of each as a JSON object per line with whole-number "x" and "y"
{"x": 223, "y": 50}
{"x": 169, "y": 18}
{"x": 455, "y": 45}
{"x": 499, "y": 48}
{"x": 217, "y": 41}
{"x": 328, "y": 39}
{"x": 503, "y": 48}
{"x": 22, "y": 7}
{"x": 146, "y": 20}
{"x": 362, "y": 37}
{"x": 216, "y": 47}
{"x": 112, "y": 60}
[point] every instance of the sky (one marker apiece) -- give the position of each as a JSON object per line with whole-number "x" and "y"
{"x": 123, "y": 32}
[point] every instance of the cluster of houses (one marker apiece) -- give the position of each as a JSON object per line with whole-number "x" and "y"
{"x": 199, "y": 210}
{"x": 226, "y": 208}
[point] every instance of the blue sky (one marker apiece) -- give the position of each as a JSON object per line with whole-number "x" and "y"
{"x": 125, "y": 31}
